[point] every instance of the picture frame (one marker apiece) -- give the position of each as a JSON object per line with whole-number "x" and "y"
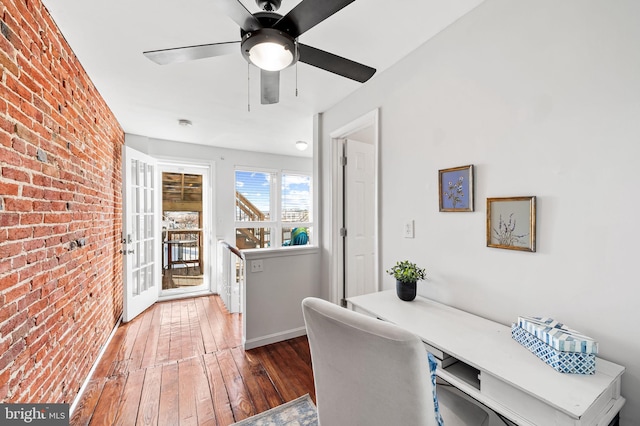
{"x": 456, "y": 189}
{"x": 511, "y": 223}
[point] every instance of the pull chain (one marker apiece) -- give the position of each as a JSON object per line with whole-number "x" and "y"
{"x": 248, "y": 87}
{"x": 296, "y": 47}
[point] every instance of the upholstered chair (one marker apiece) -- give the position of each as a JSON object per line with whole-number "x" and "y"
{"x": 370, "y": 372}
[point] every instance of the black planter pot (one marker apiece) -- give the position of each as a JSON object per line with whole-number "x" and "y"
{"x": 406, "y": 291}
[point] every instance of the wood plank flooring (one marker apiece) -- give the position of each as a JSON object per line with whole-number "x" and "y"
{"x": 182, "y": 363}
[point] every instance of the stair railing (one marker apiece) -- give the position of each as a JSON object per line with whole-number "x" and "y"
{"x": 231, "y": 276}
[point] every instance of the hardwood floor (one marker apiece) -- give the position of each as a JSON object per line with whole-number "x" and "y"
{"x": 182, "y": 363}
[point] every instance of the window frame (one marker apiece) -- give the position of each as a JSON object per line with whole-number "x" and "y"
{"x": 275, "y": 223}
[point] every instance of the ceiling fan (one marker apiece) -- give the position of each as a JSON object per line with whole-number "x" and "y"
{"x": 270, "y": 42}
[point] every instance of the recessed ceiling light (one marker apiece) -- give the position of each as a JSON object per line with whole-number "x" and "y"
{"x": 185, "y": 123}
{"x": 301, "y": 145}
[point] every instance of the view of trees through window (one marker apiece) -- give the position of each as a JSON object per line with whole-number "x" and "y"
{"x": 181, "y": 220}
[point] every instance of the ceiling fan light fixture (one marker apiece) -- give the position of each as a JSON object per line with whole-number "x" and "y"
{"x": 269, "y": 49}
{"x": 270, "y": 56}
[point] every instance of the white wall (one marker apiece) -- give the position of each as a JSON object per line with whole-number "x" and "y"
{"x": 543, "y": 97}
{"x": 274, "y": 295}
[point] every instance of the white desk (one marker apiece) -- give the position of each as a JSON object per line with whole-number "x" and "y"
{"x": 496, "y": 370}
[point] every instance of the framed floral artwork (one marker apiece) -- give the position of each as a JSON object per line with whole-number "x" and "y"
{"x": 511, "y": 223}
{"x": 456, "y": 189}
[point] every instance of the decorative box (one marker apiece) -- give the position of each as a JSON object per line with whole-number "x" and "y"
{"x": 564, "y": 362}
{"x": 558, "y": 335}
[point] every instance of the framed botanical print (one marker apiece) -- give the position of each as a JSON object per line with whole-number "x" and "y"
{"x": 456, "y": 189}
{"x": 511, "y": 223}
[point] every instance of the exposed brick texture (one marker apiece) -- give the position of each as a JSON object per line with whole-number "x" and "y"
{"x": 60, "y": 211}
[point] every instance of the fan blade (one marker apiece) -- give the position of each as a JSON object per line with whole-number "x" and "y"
{"x": 239, "y": 14}
{"x": 334, "y": 63}
{"x": 269, "y": 87}
{"x": 307, "y": 14}
{"x": 189, "y": 53}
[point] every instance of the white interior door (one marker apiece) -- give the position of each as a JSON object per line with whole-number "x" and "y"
{"x": 359, "y": 205}
{"x": 140, "y": 240}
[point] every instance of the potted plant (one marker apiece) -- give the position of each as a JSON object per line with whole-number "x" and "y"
{"x": 407, "y": 275}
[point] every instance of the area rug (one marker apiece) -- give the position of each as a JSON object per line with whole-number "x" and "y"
{"x": 299, "y": 412}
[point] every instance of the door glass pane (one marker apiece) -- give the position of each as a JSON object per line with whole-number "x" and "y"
{"x": 135, "y": 193}
{"x": 135, "y": 285}
{"x": 149, "y": 176}
{"x": 143, "y": 281}
{"x": 143, "y": 254}
{"x": 134, "y": 172}
{"x": 149, "y": 226}
{"x": 150, "y": 275}
{"x": 135, "y": 256}
{"x": 149, "y": 199}
{"x": 144, "y": 208}
{"x": 137, "y": 201}
{"x": 140, "y": 173}
{"x": 149, "y": 249}
{"x": 140, "y": 228}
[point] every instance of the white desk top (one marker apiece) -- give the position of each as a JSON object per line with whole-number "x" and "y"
{"x": 489, "y": 347}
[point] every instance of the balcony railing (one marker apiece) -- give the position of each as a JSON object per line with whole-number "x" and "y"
{"x": 183, "y": 249}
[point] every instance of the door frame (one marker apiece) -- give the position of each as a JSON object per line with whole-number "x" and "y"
{"x": 209, "y": 248}
{"x": 336, "y": 278}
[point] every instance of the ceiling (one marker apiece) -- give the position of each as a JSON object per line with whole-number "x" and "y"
{"x": 216, "y": 94}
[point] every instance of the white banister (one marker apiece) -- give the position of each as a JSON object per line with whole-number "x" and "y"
{"x": 231, "y": 278}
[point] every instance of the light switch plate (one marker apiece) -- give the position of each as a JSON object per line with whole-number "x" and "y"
{"x": 409, "y": 231}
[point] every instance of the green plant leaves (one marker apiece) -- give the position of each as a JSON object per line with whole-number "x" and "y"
{"x": 407, "y": 272}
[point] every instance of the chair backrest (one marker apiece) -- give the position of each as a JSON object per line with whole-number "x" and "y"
{"x": 366, "y": 371}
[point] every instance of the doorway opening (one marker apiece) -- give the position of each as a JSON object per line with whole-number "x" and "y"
{"x": 354, "y": 216}
{"x": 185, "y": 260}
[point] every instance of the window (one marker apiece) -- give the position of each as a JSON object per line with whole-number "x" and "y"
{"x": 273, "y": 209}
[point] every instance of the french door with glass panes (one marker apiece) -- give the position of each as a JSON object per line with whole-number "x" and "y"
{"x": 139, "y": 239}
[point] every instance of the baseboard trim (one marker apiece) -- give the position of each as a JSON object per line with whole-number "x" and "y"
{"x": 186, "y": 295}
{"x": 76, "y": 400}
{"x": 274, "y": 338}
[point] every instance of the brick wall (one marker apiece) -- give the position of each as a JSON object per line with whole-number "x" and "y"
{"x": 60, "y": 212}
